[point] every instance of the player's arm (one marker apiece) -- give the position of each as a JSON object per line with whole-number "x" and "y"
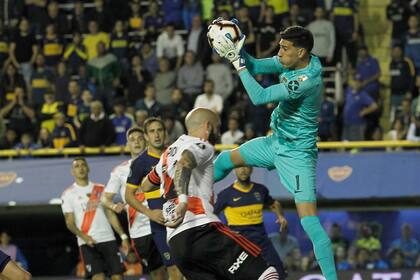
{"x": 263, "y": 65}
{"x": 112, "y": 187}
{"x": 275, "y": 93}
{"x": 116, "y": 225}
{"x": 71, "y": 225}
{"x": 153, "y": 214}
{"x": 278, "y": 210}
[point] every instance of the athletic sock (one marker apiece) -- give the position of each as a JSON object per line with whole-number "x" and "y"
{"x": 222, "y": 166}
{"x": 322, "y": 246}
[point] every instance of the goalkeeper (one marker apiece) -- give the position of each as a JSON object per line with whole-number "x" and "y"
{"x": 291, "y": 149}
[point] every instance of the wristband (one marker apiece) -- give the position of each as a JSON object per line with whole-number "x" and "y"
{"x": 182, "y": 198}
{"x": 124, "y": 236}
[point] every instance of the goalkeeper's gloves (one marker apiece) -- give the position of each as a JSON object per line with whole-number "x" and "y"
{"x": 228, "y": 49}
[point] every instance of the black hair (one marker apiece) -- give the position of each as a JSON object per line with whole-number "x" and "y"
{"x": 299, "y": 36}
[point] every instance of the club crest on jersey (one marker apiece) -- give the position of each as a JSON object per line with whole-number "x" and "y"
{"x": 293, "y": 86}
{"x": 302, "y": 78}
{"x": 167, "y": 256}
{"x": 257, "y": 196}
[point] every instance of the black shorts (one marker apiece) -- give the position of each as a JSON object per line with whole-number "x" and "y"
{"x": 213, "y": 251}
{"x": 4, "y": 260}
{"x": 147, "y": 252}
{"x": 104, "y": 257}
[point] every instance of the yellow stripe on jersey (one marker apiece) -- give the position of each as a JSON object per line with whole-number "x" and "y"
{"x": 40, "y": 83}
{"x": 152, "y": 195}
{"x": 244, "y": 215}
{"x": 132, "y": 186}
{"x": 4, "y": 47}
{"x": 342, "y": 11}
{"x": 119, "y": 43}
{"x": 53, "y": 49}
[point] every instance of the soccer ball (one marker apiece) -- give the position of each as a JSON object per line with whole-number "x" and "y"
{"x": 223, "y": 28}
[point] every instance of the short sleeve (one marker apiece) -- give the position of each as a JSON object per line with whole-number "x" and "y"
{"x": 114, "y": 183}
{"x": 366, "y": 99}
{"x": 268, "y": 200}
{"x": 136, "y": 174}
{"x": 66, "y": 205}
{"x": 220, "y": 202}
{"x": 202, "y": 152}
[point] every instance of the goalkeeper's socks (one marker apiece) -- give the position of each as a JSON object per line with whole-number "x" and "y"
{"x": 222, "y": 166}
{"x": 322, "y": 246}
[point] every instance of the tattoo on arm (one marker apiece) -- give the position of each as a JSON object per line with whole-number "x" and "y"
{"x": 183, "y": 172}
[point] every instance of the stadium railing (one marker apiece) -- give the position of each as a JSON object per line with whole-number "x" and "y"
{"x": 219, "y": 147}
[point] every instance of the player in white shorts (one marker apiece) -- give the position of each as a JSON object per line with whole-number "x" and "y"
{"x": 203, "y": 248}
{"x": 86, "y": 218}
{"x": 138, "y": 223}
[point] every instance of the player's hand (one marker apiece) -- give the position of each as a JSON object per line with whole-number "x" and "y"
{"x": 118, "y": 207}
{"x": 231, "y": 51}
{"x": 281, "y": 220}
{"x": 89, "y": 240}
{"x": 156, "y": 216}
{"x": 125, "y": 245}
{"x": 180, "y": 211}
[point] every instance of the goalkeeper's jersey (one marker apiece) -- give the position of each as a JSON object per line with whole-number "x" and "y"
{"x": 299, "y": 96}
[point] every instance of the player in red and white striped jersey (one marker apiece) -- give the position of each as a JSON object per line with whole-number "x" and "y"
{"x": 203, "y": 248}
{"x": 86, "y": 218}
{"x": 139, "y": 223}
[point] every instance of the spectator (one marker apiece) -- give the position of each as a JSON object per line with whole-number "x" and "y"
{"x": 402, "y": 74}
{"x": 397, "y": 132}
{"x": 83, "y": 108}
{"x": 61, "y": 82}
{"x": 268, "y": 35}
{"x": 104, "y": 72}
{"x": 11, "y": 13}
{"x": 357, "y": 105}
{"x": 412, "y": 44}
{"x": 337, "y": 238}
{"x": 284, "y": 243}
{"x": 164, "y": 81}
{"x": 346, "y": 22}
{"x": 48, "y": 110}
{"x": 209, "y": 99}
{"x": 9, "y": 140}
{"x": 100, "y": 14}
{"x": 295, "y": 17}
{"x": 149, "y": 102}
{"x": 35, "y": 11}
{"x": 197, "y": 41}
{"x": 132, "y": 265}
{"x": 413, "y": 133}
{"x": 178, "y": 106}
{"x": 247, "y": 27}
{"x": 397, "y": 260}
{"x": 221, "y": 75}
{"x": 249, "y": 133}
{"x": 23, "y": 50}
{"x": 9, "y": 81}
{"x": 376, "y": 261}
{"x": 73, "y": 99}
{"x": 174, "y": 128}
{"x": 404, "y": 113}
{"x": 407, "y": 245}
{"x": 137, "y": 80}
{"x": 122, "y": 122}
{"x": 362, "y": 258}
{"x": 42, "y": 81}
{"x": 293, "y": 260}
{"x": 341, "y": 258}
{"x": 190, "y": 75}
{"x": 172, "y": 12}
{"x": 57, "y": 19}
{"x": 190, "y": 9}
{"x": 369, "y": 72}
{"x": 327, "y": 120}
{"x": 397, "y": 13}
{"x": 324, "y": 37}
{"x": 97, "y": 130}
{"x": 171, "y": 46}
{"x": 20, "y": 116}
{"x": 92, "y": 39}
{"x": 64, "y": 135}
{"x": 141, "y": 116}
{"x": 153, "y": 20}
{"x": 26, "y": 143}
{"x": 234, "y": 134}
{"x": 75, "y": 53}
{"x": 44, "y": 138}
{"x": 52, "y": 47}
{"x": 12, "y": 250}
{"x": 79, "y": 19}
{"x": 119, "y": 45}
{"x": 135, "y": 22}
{"x": 4, "y": 45}
{"x": 366, "y": 240}
{"x": 150, "y": 60}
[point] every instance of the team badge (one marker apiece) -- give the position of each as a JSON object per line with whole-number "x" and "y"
{"x": 257, "y": 196}
{"x": 293, "y": 86}
{"x": 167, "y": 256}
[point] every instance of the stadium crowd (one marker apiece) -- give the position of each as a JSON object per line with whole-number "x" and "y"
{"x": 77, "y": 73}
